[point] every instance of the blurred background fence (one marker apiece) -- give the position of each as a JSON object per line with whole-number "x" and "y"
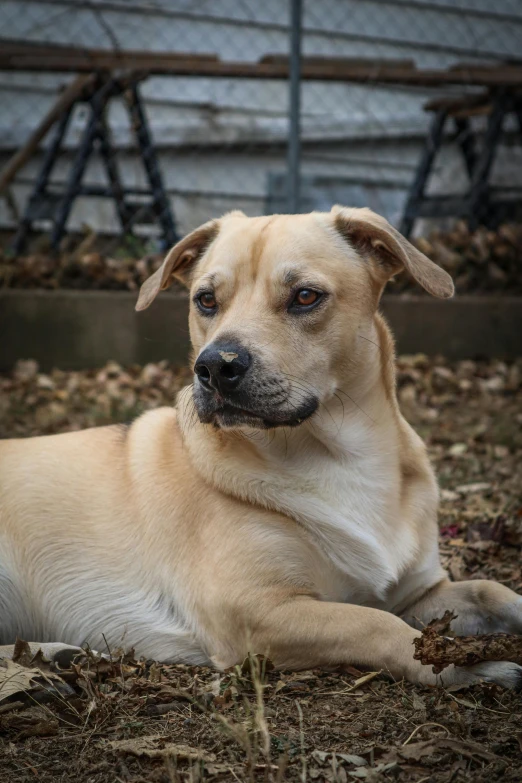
{"x": 222, "y": 141}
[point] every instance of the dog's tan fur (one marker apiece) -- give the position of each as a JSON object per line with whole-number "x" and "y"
{"x": 196, "y": 542}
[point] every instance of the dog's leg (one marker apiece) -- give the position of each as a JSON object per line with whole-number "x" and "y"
{"x": 481, "y": 607}
{"x": 306, "y": 633}
{"x": 61, "y": 654}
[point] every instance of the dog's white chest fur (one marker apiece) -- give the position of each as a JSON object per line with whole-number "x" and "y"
{"x": 349, "y": 502}
{"x": 342, "y": 485}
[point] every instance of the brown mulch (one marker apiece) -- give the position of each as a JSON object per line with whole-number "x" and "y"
{"x": 136, "y": 722}
{"x": 479, "y": 262}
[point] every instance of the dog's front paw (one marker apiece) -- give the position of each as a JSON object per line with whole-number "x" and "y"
{"x": 504, "y": 673}
{"x": 61, "y": 654}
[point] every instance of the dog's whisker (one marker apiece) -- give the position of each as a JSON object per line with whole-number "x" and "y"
{"x": 341, "y": 391}
{"x": 390, "y": 358}
{"x": 342, "y": 406}
{"x": 305, "y": 388}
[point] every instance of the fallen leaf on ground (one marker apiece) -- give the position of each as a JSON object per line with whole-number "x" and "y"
{"x": 322, "y": 757}
{"x": 23, "y": 655}
{"x": 32, "y": 722}
{"x": 418, "y": 750}
{"x": 16, "y": 679}
{"x": 373, "y": 773}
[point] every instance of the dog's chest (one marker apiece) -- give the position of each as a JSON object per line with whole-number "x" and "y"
{"x": 351, "y": 509}
{"x": 347, "y": 499}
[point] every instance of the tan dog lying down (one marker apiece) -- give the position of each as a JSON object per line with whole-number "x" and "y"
{"x": 284, "y": 507}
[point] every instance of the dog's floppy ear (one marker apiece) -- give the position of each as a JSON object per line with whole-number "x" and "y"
{"x": 373, "y": 237}
{"x": 178, "y": 262}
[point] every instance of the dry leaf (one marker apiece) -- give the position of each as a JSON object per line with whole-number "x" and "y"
{"x": 373, "y": 773}
{"x": 23, "y": 655}
{"x": 419, "y": 750}
{"x": 32, "y": 722}
{"x": 324, "y": 757}
{"x": 15, "y": 678}
{"x": 479, "y": 260}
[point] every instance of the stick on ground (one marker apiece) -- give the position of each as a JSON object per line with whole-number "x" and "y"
{"x": 436, "y": 648}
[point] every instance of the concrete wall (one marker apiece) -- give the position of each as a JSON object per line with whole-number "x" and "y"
{"x": 75, "y": 329}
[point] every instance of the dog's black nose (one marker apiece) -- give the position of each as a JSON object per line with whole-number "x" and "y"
{"x": 222, "y": 366}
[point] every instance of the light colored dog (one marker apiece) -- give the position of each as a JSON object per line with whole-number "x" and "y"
{"x": 284, "y": 507}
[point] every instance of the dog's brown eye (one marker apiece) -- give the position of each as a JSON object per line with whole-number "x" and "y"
{"x": 208, "y": 301}
{"x": 305, "y": 297}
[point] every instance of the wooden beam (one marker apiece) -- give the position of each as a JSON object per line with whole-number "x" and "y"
{"x": 21, "y": 57}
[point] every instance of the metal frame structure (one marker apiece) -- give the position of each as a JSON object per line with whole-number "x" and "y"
{"x": 294, "y": 113}
{"x": 477, "y": 204}
{"x": 47, "y": 204}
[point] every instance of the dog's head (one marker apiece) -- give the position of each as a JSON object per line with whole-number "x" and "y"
{"x": 278, "y": 305}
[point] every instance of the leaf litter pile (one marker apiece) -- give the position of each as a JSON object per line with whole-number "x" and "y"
{"x": 113, "y": 719}
{"x": 480, "y": 261}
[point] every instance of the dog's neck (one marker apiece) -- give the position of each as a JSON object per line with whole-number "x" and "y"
{"x": 336, "y": 474}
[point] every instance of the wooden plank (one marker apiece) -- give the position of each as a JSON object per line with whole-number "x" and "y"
{"x": 342, "y": 62}
{"x": 336, "y": 69}
{"x": 477, "y": 111}
{"x": 23, "y": 48}
{"x": 459, "y": 103}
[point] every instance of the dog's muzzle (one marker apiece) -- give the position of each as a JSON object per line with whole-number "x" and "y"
{"x": 234, "y": 390}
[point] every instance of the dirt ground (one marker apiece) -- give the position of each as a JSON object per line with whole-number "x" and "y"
{"x": 129, "y": 722}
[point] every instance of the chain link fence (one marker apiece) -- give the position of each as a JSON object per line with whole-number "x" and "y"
{"x": 362, "y": 142}
{"x": 221, "y": 141}
{"x": 216, "y": 139}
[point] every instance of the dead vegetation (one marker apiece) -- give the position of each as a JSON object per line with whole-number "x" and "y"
{"x": 439, "y": 648}
{"x": 119, "y": 720}
{"x": 83, "y": 262}
{"x": 481, "y": 261}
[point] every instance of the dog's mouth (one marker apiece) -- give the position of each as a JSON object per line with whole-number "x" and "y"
{"x": 228, "y": 415}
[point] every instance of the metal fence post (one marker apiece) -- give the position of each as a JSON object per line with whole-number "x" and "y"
{"x": 294, "y": 141}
